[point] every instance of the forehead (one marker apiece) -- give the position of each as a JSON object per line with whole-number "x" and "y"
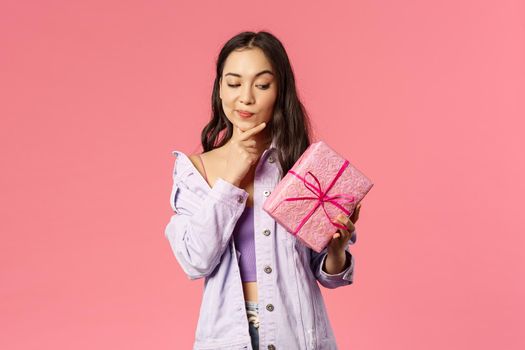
{"x": 247, "y": 63}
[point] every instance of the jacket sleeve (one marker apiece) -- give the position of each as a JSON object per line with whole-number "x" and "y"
{"x": 203, "y": 219}
{"x": 343, "y": 278}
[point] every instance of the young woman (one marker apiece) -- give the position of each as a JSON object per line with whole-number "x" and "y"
{"x": 260, "y": 289}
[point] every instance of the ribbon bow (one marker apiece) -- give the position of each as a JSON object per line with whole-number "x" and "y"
{"x": 322, "y": 197}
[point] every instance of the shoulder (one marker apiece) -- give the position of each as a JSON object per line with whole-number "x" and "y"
{"x": 190, "y": 171}
{"x": 207, "y": 163}
{"x": 185, "y": 164}
{"x": 182, "y": 164}
{"x": 201, "y": 166}
{"x": 188, "y": 189}
{"x": 194, "y": 158}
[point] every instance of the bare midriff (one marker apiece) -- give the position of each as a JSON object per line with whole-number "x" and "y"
{"x": 250, "y": 291}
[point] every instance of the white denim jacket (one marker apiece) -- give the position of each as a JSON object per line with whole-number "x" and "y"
{"x": 292, "y": 312}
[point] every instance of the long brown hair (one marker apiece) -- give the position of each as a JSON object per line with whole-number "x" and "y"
{"x": 289, "y": 127}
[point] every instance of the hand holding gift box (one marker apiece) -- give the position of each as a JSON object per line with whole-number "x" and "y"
{"x": 321, "y": 185}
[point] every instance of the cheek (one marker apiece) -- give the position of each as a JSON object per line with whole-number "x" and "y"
{"x": 227, "y": 100}
{"x": 268, "y": 101}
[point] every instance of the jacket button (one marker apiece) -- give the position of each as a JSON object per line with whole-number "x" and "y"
{"x": 240, "y": 199}
{"x": 271, "y": 347}
{"x": 269, "y": 307}
{"x": 266, "y": 232}
{"x": 267, "y": 269}
{"x": 266, "y": 193}
{"x": 270, "y": 159}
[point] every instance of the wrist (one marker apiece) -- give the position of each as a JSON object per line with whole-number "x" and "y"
{"x": 335, "y": 263}
{"x": 234, "y": 182}
{"x": 337, "y": 254}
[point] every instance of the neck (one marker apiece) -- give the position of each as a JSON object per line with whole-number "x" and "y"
{"x": 263, "y": 141}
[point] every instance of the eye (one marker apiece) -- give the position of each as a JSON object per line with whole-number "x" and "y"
{"x": 262, "y": 87}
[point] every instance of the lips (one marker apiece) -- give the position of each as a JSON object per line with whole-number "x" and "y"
{"x": 244, "y": 114}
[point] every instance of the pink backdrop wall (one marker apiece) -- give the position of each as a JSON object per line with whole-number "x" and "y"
{"x": 425, "y": 97}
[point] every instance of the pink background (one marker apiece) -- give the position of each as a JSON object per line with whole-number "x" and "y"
{"x": 425, "y": 97}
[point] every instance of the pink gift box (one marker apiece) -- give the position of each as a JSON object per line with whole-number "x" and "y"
{"x": 321, "y": 185}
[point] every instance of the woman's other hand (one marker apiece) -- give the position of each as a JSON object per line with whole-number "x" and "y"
{"x": 341, "y": 237}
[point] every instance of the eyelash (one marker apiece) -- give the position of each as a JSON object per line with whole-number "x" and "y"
{"x": 263, "y": 87}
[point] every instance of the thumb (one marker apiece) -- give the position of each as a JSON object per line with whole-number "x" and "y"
{"x": 236, "y": 132}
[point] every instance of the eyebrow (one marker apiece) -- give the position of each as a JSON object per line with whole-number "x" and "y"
{"x": 256, "y": 75}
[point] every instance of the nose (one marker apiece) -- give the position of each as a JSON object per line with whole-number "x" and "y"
{"x": 246, "y": 95}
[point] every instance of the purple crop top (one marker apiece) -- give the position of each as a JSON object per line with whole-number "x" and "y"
{"x": 243, "y": 235}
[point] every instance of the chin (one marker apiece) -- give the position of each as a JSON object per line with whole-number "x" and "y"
{"x": 245, "y": 122}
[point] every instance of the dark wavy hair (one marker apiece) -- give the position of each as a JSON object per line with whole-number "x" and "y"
{"x": 289, "y": 127}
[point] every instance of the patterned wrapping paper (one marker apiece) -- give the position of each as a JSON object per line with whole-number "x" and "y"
{"x": 321, "y": 185}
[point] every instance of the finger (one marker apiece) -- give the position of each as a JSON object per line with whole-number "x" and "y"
{"x": 237, "y": 132}
{"x": 249, "y": 133}
{"x": 355, "y": 214}
{"x": 348, "y": 223}
{"x": 249, "y": 143}
{"x": 343, "y": 235}
{"x": 342, "y": 218}
{"x": 336, "y": 235}
{"x": 345, "y": 221}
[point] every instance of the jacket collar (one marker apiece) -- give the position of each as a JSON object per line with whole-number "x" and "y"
{"x": 270, "y": 149}
{"x": 273, "y": 145}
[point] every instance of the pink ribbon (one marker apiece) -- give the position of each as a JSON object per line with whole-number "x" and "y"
{"x": 321, "y": 197}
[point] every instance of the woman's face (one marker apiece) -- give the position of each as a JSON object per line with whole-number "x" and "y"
{"x": 248, "y": 84}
